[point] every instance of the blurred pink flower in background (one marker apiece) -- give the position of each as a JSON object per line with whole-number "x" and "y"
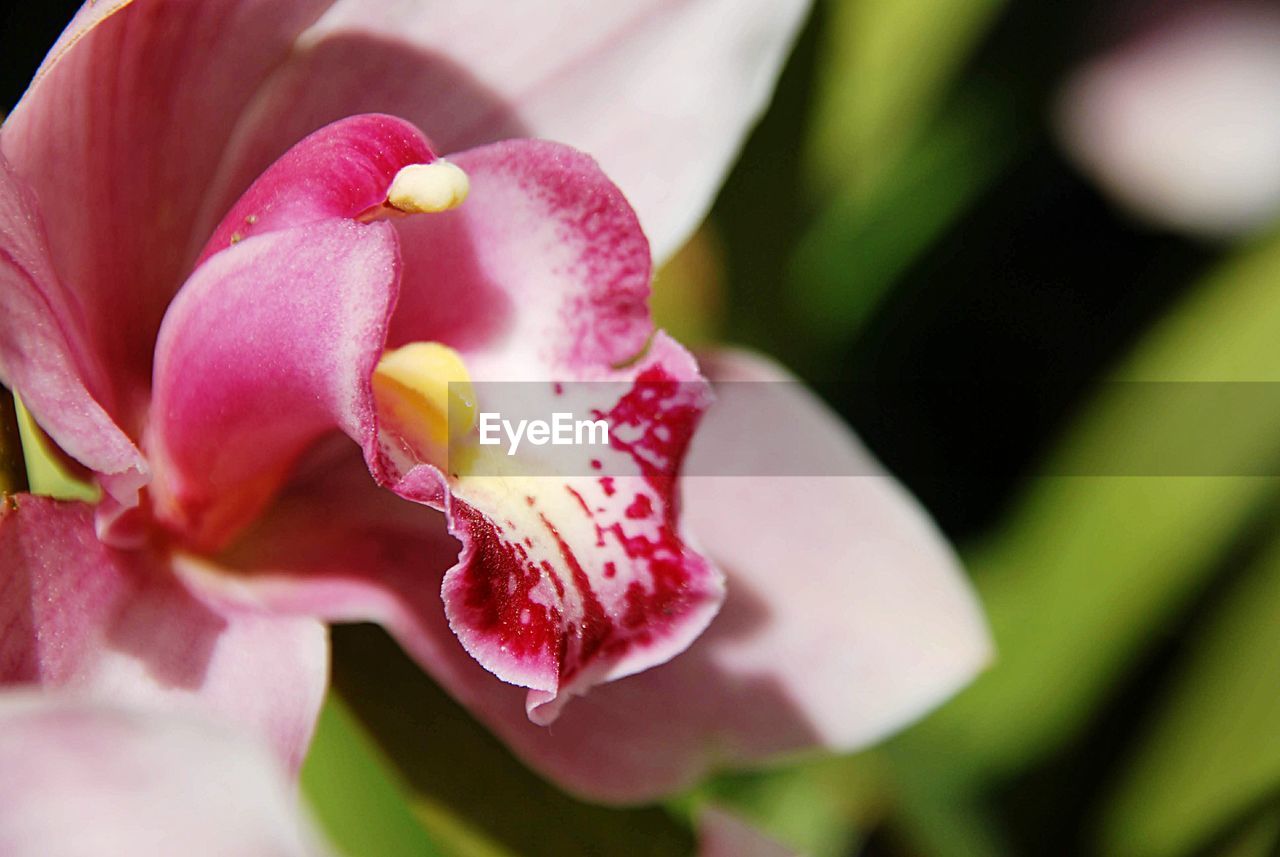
{"x": 1181, "y": 122}
{"x": 198, "y": 385}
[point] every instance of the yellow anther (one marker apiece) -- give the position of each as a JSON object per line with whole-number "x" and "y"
{"x": 428, "y": 188}
{"x": 423, "y": 389}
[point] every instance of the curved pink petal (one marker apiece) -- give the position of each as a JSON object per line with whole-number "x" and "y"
{"x": 565, "y": 581}
{"x": 77, "y": 614}
{"x": 661, "y": 92}
{"x": 569, "y": 581}
{"x": 542, "y": 274}
{"x": 42, "y": 347}
{"x": 268, "y": 346}
{"x": 340, "y": 171}
{"x": 84, "y": 779}
{"x": 119, "y": 137}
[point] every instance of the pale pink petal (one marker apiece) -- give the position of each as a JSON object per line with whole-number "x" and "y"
{"x": 77, "y": 614}
{"x": 1181, "y": 123}
{"x": 541, "y": 275}
{"x": 269, "y": 346}
{"x": 42, "y": 347}
{"x": 88, "y": 779}
{"x": 865, "y": 619}
{"x": 119, "y": 137}
{"x": 661, "y": 92}
{"x": 723, "y": 834}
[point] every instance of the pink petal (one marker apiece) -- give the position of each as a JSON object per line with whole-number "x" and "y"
{"x": 269, "y": 345}
{"x": 341, "y": 170}
{"x": 119, "y": 137}
{"x": 74, "y": 613}
{"x": 85, "y": 779}
{"x": 875, "y": 623}
{"x": 662, "y": 93}
{"x": 567, "y": 582}
{"x": 846, "y": 617}
{"x": 542, "y": 274}
{"x": 42, "y": 347}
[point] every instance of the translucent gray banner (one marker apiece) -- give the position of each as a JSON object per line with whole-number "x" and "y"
{"x": 772, "y": 429}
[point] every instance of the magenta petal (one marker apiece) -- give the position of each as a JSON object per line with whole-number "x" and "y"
{"x": 268, "y": 346}
{"x": 42, "y": 348}
{"x": 85, "y": 779}
{"x": 74, "y": 613}
{"x": 120, "y": 136}
{"x": 340, "y": 171}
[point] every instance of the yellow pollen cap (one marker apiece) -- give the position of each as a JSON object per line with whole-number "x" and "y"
{"x": 428, "y": 188}
{"x": 423, "y": 389}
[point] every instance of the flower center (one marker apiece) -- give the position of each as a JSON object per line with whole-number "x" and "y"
{"x": 424, "y": 393}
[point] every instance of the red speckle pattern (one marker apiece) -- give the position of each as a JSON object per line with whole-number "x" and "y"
{"x": 632, "y": 584}
{"x": 499, "y": 602}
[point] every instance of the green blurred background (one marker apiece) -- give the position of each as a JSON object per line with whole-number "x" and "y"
{"x": 900, "y": 226}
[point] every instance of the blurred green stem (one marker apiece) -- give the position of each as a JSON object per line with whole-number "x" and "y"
{"x": 1088, "y": 569}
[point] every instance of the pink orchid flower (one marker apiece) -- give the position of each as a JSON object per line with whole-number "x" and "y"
{"x": 256, "y": 372}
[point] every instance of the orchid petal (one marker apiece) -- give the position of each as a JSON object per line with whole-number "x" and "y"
{"x": 269, "y": 346}
{"x": 74, "y": 613}
{"x": 86, "y": 779}
{"x": 342, "y": 170}
{"x": 566, "y": 582}
{"x": 119, "y": 136}
{"x": 542, "y": 274}
{"x": 877, "y": 622}
{"x": 42, "y": 351}
{"x": 661, "y": 93}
